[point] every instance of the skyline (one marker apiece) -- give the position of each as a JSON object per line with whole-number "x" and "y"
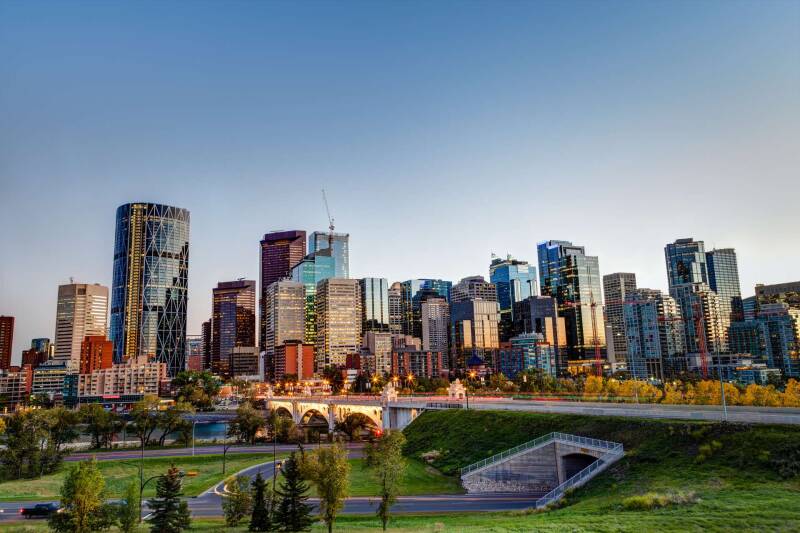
{"x": 684, "y": 118}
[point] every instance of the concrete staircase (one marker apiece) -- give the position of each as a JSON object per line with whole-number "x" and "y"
{"x": 544, "y": 467}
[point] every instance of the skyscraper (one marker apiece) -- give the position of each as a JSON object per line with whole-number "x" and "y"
{"x": 150, "y": 284}
{"x": 616, "y": 287}
{"x": 435, "y": 318}
{"x": 475, "y": 336}
{"x": 687, "y": 275}
{"x": 233, "y": 321}
{"x": 573, "y": 278}
{"x": 374, "y": 304}
{"x": 396, "y": 308}
{"x": 787, "y": 293}
{"x": 339, "y": 243}
{"x": 81, "y": 310}
{"x": 515, "y": 280}
{"x": 413, "y": 292}
{"x": 280, "y": 252}
{"x": 312, "y": 269}
{"x": 338, "y": 309}
{"x": 205, "y": 329}
{"x": 723, "y": 278}
{"x": 655, "y": 335}
{"x": 6, "y": 341}
{"x": 473, "y": 288}
{"x": 285, "y": 318}
{"x": 539, "y": 314}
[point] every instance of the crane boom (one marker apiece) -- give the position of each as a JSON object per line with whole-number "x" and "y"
{"x": 327, "y": 210}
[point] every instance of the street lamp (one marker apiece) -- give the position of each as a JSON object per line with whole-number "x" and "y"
{"x": 143, "y": 484}
{"x": 471, "y": 376}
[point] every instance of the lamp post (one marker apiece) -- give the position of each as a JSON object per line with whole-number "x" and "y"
{"x": 143, "y": 484}
{"x": 471, "y": 376}
{"x": 194, "y": 423}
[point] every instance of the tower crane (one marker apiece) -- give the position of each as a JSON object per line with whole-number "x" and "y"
{"x": 330, "y": 219}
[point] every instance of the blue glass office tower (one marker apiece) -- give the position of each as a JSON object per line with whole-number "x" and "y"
{"x": 314, "y": 268}
{"x": 374, "y": 305}
{"x": 515, "y": 281}
{"x": 413, "y": 292}
{"x": 340, "y": 245}
{"x": 150, "y": 284}
{"x": 573, "y": 278}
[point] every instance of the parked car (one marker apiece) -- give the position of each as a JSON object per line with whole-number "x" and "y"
{"x": 40, "y": 510}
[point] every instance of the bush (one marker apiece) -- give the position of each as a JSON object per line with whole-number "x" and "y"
{"x": 787, "y": 461}
{"x": 654, "y": 500}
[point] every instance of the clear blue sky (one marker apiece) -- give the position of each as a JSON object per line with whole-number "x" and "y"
{"x": 443, "y": 131}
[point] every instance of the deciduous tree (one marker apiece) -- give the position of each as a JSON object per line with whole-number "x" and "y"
{"x": 328, "y": 470}
{"x": 83, "y": 501}
{"x": 385, "y": 459}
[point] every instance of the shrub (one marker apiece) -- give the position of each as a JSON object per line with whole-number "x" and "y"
{"x": 654, "y": 500}
{"x": 787, "y": 461}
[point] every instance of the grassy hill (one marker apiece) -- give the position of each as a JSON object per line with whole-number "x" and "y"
{"x": 719, "y": 476}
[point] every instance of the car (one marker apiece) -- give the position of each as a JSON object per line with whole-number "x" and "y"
{"x": 40, "y": 510}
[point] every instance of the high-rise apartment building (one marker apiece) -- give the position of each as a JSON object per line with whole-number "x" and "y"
{"x": 312, "y": 269}
{"x": 525, "y": 352}
{"x": 396, "y": 308}
{"x": 514, "y": 280}
{"x": 787, "y": 293}
{"x": 435, "y": 317}
{"x": 280, "y": 252}
{"x": 339, "y": 244}
{"x": 150, "y": 284}
{"x": 81, "y": 311}
{"x": 473, "y": 288}
{"x": 616, "y": 287}
{"x": 474, "y": 331}
{"x": 374, "y": 304}
{"x": 687, "y": 274}
{"x": 573, "y": 278}
{"x": 773, "y": 336}
{"x": 338, "y": 310}
{"x": 539, "y": 314}
{"x": 655, "y": 335}
{"x": 6, "y": 341}
{"x": 413, "y": 292}
{"x": 285, "y": 319}
{"x": 233, "y": 321}
{"x": 97, "y": 352}
{"x": 723, "y": 278}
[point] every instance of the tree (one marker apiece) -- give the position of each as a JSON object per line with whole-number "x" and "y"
{"x": 238, "y": 502}
{"x": 62, "y": 426}
{"x": 260, "y": 519}
{"x": 171, "y": 420}
{"x": 279, "y": 426}
{"x": 328, "y": 470}
{"x": 334, "y": 377}
{"x": 385, "y": 459}
{"x": 292, "y": 513}
{"x": 198, "y": 388}
{"x": 30, "y": 449}
{"x": 83, "y": 501}
{"x": 128, "y": 511}
{"x": 145, "y": 418}
{"x": 170, "y": 513}
{"x": 100, "y": 424}
{"x": 353, "y": 424}
{"x": 246, "y": 424}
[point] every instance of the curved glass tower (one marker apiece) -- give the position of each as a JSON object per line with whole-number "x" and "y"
{"x": 149, "y": 290}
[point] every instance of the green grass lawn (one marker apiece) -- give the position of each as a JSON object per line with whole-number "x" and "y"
{"x": 419, "y": 479}
{"x": 118, "y": 473}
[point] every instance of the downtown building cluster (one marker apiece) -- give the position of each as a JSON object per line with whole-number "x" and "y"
{"x": 305, "y": 317}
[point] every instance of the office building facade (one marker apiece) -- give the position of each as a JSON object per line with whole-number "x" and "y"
{"x": 413, "y": 293}
{"x": 285, "y": 318}
{"x": 567, "y": 274}
{"x": 528, "y": 351}
{"x": 339, "y": 246}
{"x": 786, "y": 293}
{"x": 338, "y": 311}
{"x": 655, "y": 335}
{"x": 474, "y": 333}
{"x": 378, "y": 345}
{"x": 396, "y": 308}
{"x": 97, "y": 353}
{"x": 233, "y": 321}
{"x": 616, "y": 287}
{"x": 280, "y": 252}
{"x": 473, "y": 288}
{"x": 311, "y": 270}
{"x": 539, "y": 314}
{"x": 6, "y": 341}
{"x": 374, "y": 304}
{"x": 81, "y": 311}
{"x": 514, "y": 281}
{"x": 723, "y": 278}
{"x": 150, "y": 284}
{"x": 435, "y": 317}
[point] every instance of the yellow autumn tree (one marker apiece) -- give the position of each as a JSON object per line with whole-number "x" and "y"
{"x": 791, "y": 396}
{"x": 673, "y": 394}
{"x": 762, "y": 396}
{"x": 593, "y": 386}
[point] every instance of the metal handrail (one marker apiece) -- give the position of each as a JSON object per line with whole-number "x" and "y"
{"x": 574, "y": 439}
{"x": 597, "y": 466}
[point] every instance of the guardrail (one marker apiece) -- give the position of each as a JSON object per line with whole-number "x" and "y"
{"x": 444, "y": 405}
{"x": 572, "y": 439}
{"x": 603, "y": 462}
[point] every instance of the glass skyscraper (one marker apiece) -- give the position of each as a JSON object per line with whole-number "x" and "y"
{"x": 412, "y": 296}
{"x": 340, "y": 243}
{"x": 515, "y": 280}
{"x": 616, "y": 287}
{"x": 280, "y": 252}
{"x": 150, "y": 280}
{"x": 374, "y": 304}
{"x": 723, "y": 277}
{"x": 573, "y": 278}
{"x": 233, "y": 321}
{"x": 312, "y": 269}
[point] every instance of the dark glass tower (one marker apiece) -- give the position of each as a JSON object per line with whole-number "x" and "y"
{"x": 233, "y": 321}
{"x": 515, "y": 281}
{"x": 280, "y": 251}
{"x": 150, "y": 280}
{"x": 413, "y": 293}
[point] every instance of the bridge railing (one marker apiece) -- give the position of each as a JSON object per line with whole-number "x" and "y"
{"x": 603, "y": 462}
{"x": 564, "y": 437}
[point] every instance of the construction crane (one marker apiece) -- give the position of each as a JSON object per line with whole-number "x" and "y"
{"x": 330, "y": 219}
{"x": 598, "y": 362}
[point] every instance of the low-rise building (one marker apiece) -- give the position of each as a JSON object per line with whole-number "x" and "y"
{"x": 138, "y": 376}
{"x": 294, "y": 357}
{"x": 15, "y": 387}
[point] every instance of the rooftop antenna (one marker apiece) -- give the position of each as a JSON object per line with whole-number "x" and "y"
{"x": 330, "y": 219}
